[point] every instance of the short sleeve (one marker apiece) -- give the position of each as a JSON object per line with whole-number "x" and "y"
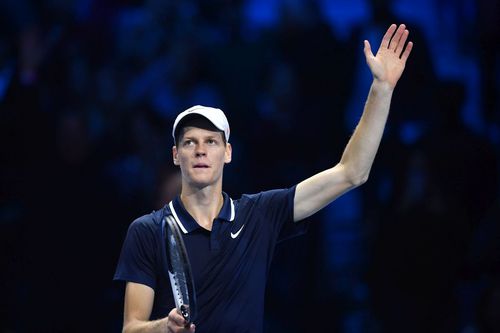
{"x": 137, "y": 261}
{"x": 277, "y": 207}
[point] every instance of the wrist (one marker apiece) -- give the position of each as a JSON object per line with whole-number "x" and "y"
{"x": 382, "y": 87}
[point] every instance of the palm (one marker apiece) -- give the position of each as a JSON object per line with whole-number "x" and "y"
{"x": 389, "y": 63}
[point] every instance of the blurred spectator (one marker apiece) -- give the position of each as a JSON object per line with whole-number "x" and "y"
{"x": 487, "y": 18}
{"x": 88, "y": 88}
{"x": 421, "y": 246}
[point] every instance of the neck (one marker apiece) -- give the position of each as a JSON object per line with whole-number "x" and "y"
{"x": 203, "y": 204}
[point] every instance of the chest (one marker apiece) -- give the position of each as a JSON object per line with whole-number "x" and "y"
{"x": 231, "y": 249}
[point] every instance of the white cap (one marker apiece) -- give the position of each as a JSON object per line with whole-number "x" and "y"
{"x": 215, "y": 116}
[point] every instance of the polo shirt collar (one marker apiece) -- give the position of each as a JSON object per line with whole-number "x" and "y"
{"x": 187, "y": 223}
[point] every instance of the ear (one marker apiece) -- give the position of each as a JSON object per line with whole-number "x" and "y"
{"x": 174, "y": 155}
{"x": 228, "y": 153}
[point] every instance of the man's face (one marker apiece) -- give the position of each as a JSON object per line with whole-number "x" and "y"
{"x": 201, "y": 155}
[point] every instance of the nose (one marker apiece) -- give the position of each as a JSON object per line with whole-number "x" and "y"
{"x": 200, "y": 151}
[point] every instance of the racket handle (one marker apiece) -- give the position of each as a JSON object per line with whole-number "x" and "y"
{"x": 185, "y": 313}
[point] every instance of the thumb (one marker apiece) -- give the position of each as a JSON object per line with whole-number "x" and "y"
{"x": 368, "y": 50}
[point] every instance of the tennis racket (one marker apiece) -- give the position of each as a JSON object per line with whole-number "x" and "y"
{"x": 179, "y": 270}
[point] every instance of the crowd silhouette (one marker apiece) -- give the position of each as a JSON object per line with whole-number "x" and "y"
{"x": 89, "y": 90}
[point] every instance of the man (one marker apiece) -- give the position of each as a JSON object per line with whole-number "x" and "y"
{"x": 231, "y": 243}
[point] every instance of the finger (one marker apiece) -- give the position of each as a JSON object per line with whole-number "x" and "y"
{"x": 401, "y": 43}
{"x": 407, "y": 51}
{"x": 388, "y": 36}
{"x": 368, "y": 50}
{"x": 176, "y": 318}
{"x": 397, "y": 37}
{"x": 192, "y": 328}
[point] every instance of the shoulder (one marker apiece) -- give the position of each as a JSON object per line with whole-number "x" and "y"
{"x": 148, "y": 222}
{"x": 267, "y": 197}
{"x": 268, "y": 194}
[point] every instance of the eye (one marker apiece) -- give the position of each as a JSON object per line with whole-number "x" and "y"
{"x": 212, "y": 141}
{"x": 188, "y": 142}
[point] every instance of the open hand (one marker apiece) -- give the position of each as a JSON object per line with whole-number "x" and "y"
{"x": 389, "y": 63}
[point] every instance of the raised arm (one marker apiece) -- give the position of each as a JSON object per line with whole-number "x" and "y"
{"x": 138, "y": 305}
{"x": 354, "y": 167}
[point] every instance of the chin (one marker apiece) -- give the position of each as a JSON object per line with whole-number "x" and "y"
{"x": 202, "y": 180}
{"x": 201, "y": 183}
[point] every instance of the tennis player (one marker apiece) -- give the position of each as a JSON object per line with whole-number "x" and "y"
{"x": 231, "y": 242}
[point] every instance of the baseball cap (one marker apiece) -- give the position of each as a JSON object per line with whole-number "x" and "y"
{"x": 214, "y": 115}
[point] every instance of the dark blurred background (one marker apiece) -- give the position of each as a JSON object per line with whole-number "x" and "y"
{"x": 89, "y": 90}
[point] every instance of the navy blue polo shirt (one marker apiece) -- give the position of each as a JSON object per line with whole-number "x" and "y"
{"x": 230, "y": 263}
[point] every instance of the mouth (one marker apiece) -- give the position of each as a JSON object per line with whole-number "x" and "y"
{"x": 201, "y": 166}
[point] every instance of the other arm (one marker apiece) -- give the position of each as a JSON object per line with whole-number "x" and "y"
{"x": 138, "y": 305}
{"x": 354, "y": 167}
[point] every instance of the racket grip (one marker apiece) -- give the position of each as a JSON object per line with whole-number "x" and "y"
{"x": 185, "y": 313}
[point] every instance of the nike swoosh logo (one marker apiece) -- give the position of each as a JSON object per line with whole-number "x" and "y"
{"x": 233, "y": 236}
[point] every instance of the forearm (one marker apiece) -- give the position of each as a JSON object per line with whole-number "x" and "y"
{"x": 138, "y": 326}
{"x": 354, "y": 167}
{"x": 360, "y": 152}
